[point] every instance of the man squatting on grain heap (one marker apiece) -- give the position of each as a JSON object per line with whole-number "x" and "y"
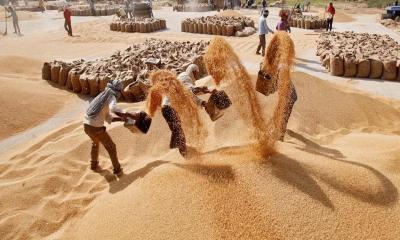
{"x": 101, "y": 109}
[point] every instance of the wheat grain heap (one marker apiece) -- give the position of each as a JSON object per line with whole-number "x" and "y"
{"x": 361, "y": 55}
{"x": 307, "y": 22}
{"x": 219, "y": 25}
{"x": 198, "y": 6}
{"x": 100, "y": 10}
{"x": 142, "y": 25}
{"x": 131, "y": 66}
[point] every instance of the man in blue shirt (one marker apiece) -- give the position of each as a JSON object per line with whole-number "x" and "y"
{"x": 263, "y": 29}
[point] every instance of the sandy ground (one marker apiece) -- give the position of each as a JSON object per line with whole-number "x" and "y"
{"x": 336, "y": 176}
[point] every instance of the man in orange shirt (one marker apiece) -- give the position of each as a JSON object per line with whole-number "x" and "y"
{"x": 67, "y": 23}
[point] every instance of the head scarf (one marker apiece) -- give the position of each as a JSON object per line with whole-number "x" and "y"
{"x": 114, "y": 87}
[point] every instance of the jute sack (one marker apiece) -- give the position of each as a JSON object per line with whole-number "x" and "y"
{"x": 137, "y": 27}
{"x": 312, "y": 24}
{"x": 93, "y": 80}
{"x": 209, "y": 28}
{"x": 83, "y": 80}
{"x": 238, "y": 27}
{"x": 191, "y": 27}
{"x": 63, "y": 76}
{"x": 68, "y": 84}
{"x": 376, "y": 69}
{"x": 55, "y": 72}
{"x": 133, "y": 27}
{"x": 200, "y": 28}
{"x": 223, "y": 30}
{"x": 128, "y": 27}
{"x": 76, "y": 86}
{"x": 214, "y": 29}
{"x": 326, "y": 62}
{"x": 336, "y": 66}
{"x": 163, "y": 23}
{"x": 230, "y": 30}
{"x": 204, "y": 28}
{"x": 148, "y": 27}
{"x": 103, "y": 80}
{"x": 123, "y": 27}
{"x": 142, "y": 27}
{"x": 158, "y": 26}
{"x": 183, "y": 26}
{"x": 307, "y": 24}
{"x": 398, "y": 73}
{"x": 350, "y": 67}
{"x": 151, "y": 27}
{"x": 112, "y": 26}
{"x": 363, "y": 68}
{"x": 46, "y": 71}
{"x": 127, "y": 94}
{"x": 249, "y": 23}
{"x": 219, "y": 30}
{"x": 389, "y": 70}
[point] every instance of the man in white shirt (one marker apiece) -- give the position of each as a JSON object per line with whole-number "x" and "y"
{"x": 100, "y": 110}
{"x": 263, "y": 30}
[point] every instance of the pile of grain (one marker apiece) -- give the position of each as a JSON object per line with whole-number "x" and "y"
{"x": 200, "y": 7}
{"x": 100, "y": 10}
{"x": 229, "y": 13}
{"x": 197, "y": 6}
{"x": 131, "y": 66}
{"x": 361, "y": 55}
{"x": 142, "y": 25}
{"x": 307, "y": 22}
{"x": 219, "y": 25}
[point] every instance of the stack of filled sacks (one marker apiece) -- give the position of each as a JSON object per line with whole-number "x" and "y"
{"x": 100, "y": 10}
{"x": 198, "y": 6}
{"x": 219, "y": 25}
{"x": 307, "y": 22}
{"x": 131, "y": 66}
{"x": 361, "y": 55}
{"x": 142, "y": 25}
